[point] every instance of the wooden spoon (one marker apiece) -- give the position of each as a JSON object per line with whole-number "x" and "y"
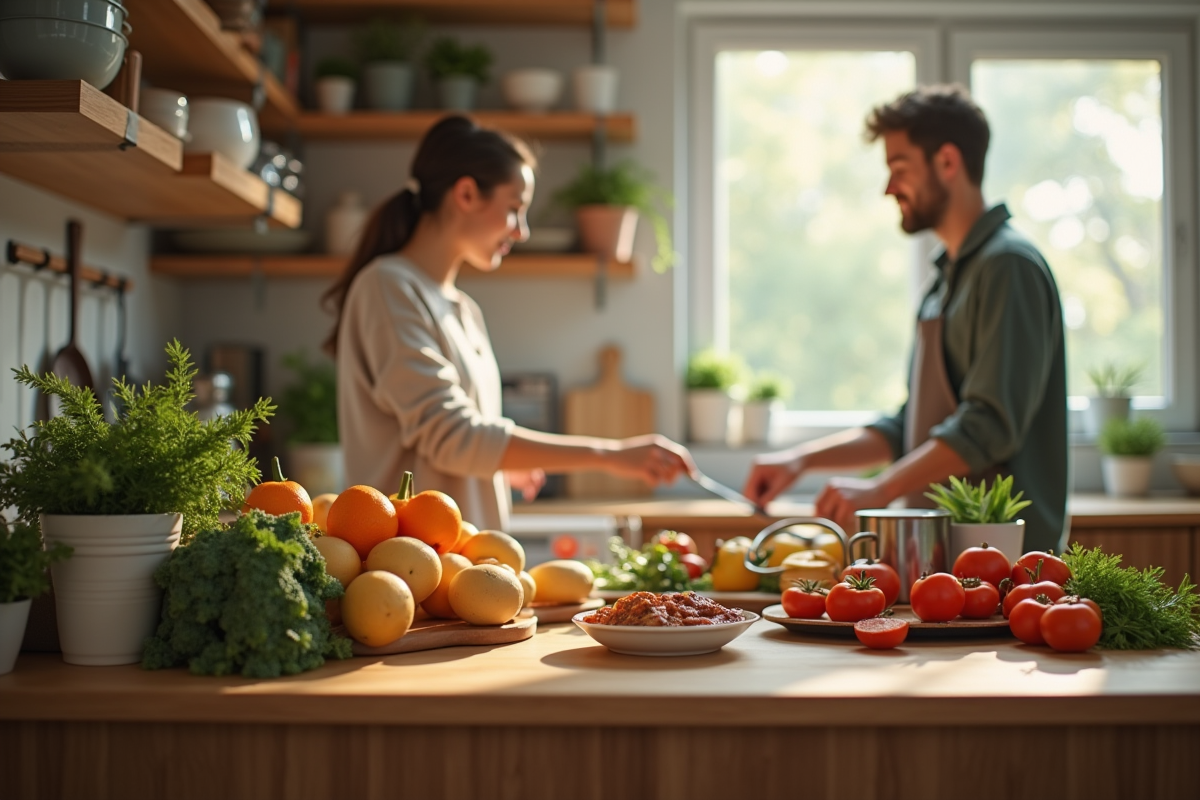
{"x": 69, "y": 363}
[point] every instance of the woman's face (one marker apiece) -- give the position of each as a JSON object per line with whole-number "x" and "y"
{"x": 498, "y": 221}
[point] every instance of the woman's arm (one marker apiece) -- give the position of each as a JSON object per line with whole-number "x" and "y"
{"x": 652, "y": 458}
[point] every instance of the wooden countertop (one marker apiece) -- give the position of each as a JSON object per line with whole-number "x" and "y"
{"x": 767, "y": 677}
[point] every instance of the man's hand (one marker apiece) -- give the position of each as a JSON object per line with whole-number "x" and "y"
{"x": 770, "y": 475}
{"x": 841, "y": 497}
{"x": 527, "y": 482}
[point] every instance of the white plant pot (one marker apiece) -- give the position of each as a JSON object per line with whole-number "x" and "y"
{"x": 596, "y": 88}
{"x": 457, "y": 92}
{"x": 1126, "y": 476}
{"x": 758, "y": 418}
{"x": 710, "y": 413}
{"x": 12, "y": 630}
{"x": 317, "y": 467}
{"x": 335, "y": 95}
{"x": 1007, "y": 537}
{"x": 1102, "y": 409}
{"x": 388, "y": 85}
{"x": 106, "y": 597}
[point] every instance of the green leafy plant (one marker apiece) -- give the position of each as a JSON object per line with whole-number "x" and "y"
{"x": 156, "y": 458}
{"x": 336, "y": 67}
{"x": 654, "y": 568}
{"x": 1140, "y": 611}
{"x": 769, "y": 386}
{"x": 624, "y": 184}
{"x": 978, "y": 505}
{"x": 448, "y": 57}
{"x": 385, "y": 40}
{"x": 1114, "y": 380}
{"x": 709, "y": 369}
{"x": 310, "y": 403}
{"x": 1139, "y": 437}
{"x": 23, "y": 561}
{"x": 248, "y": 599}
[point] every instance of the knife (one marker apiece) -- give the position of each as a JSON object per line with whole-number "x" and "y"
{"x": 723, "y": 491}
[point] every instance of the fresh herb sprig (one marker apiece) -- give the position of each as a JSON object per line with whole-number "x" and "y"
{"x": 970, "y": 504}
{"x": 1140, "y": 611}
{"x": 654, "y": 568}
{"x": 23, "y": 561}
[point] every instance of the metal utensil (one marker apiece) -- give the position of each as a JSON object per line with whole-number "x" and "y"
{"x": 69, "y": 363}
{"x": 724, "y": 492}
{"x": 910, "y": 540}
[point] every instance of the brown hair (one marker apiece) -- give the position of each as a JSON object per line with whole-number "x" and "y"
{"x": 454, "y": 148}
{"x": 933, "y": 116}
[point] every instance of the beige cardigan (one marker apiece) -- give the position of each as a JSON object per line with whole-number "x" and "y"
{"x": 419, "y": 390}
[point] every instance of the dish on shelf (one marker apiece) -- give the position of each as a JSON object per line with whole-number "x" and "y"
{"x": 219, "y": 125}
{"x": 634, "y": 640}
{"x": 959, "y": 628}
{"x": 547, "y": 240}
{"x": 1187, "y": 471}
{"x": 242, "y": 241}
{"x": 48, "y": 48}
{"x": 532, "y": 90}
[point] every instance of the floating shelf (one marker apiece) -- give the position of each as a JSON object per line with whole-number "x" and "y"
{"x": 363, "y": 125}
{"x": 620, "y": 13}
{"x": 518, "y": 265}
{"x": 70, "y": 138}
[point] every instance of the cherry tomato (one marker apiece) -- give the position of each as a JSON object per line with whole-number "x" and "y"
{"x": 886, "y": 578}
{"x": 855, "y": 599}
{"x": 1070, "y": 627}
{"x": 983, "y": 599}
{"x": 674, "y": 540}
{"x": 983, "y": 562}
{"x": 696, "y": 565}
{"x": 805, "y": 600}
{"x": 1074, "y": 598}
{"x": 938, "y": 597}
{"x": 1052, "y": 568}
{"x": 1028, "y": 591}
{"x": 1025, "y": 621}
{"x": 881, "y": 633}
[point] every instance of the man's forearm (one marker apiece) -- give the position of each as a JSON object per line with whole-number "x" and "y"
{"x": 856, "y": 448}
{"x": 932, "y": 462}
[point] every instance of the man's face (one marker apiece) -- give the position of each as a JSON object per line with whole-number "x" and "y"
{"x": 913, "y": 182}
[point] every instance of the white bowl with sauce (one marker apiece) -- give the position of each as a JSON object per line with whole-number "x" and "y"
{"x": 640, "y": 640}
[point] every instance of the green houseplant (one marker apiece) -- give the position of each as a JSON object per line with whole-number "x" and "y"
{"x": 1113, "y": 384}
{"x": 335, "y": 78}
{"x": 309, "y": 404}
{"x": 387, "y": 49}
{"x": 764, "y": 401}
{"x": 1127, "y": 450}
{"x": 982, "y": 516}
{"x": 711, "y": 380}
{"x": 458, "y": 70}
{"x": 23, "y": 565}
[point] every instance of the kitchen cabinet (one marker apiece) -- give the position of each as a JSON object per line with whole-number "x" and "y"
{"x": 518, "y": 265}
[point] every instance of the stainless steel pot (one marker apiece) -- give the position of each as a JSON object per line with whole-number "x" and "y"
{"x": 910, "y": 540}
{"x": 752, "y": 554}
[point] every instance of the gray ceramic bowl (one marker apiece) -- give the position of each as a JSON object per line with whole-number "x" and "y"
{"x": 55, "y": 49}
{"x": 1187, "y": 471}
{"x": 106, "y": 13}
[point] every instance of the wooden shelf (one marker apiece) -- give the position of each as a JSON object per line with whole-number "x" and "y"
{"x": 71, "y": 139}
{"x": 184, "y": 48}
{"x": 363, "y": 125}
{"x": 518, "y": 265}
{"x": 620, "y": 13}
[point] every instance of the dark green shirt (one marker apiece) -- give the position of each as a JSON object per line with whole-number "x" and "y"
{"x": 1006, "y": 359}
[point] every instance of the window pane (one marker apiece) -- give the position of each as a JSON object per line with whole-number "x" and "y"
{"x": 819, "y": 272}
{"x": 1077, "y": 152}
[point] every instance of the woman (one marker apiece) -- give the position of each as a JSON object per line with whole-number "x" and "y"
{"x": 418, "y": 385}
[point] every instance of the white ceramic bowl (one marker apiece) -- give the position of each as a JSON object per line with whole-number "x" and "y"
{"x": 532, "y": 90}
{"x": 636, "y": 640}
{"x": 167, "y": 109}
{"x": 229, "y": 127}
{"x": 1187, "y": 471}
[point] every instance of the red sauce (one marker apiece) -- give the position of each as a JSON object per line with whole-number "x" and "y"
{"x": 664, "y": 611}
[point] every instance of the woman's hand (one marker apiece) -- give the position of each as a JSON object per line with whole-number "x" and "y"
{"x": 841, "y": 497}
{"x": 527, "y": 482}
{"x": 652, "y": 458}
{"x": 770, "y": 475}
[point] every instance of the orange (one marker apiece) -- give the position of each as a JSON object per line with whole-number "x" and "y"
{"x": 280, "y": 496}
{"x": 431, "y": 516}
{"x": 321, "y": 504}
{"x": 363, "y": 516}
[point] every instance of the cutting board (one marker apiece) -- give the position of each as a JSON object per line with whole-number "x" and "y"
{"x": 614, "y": 410}
{"x": 430, "y": 634}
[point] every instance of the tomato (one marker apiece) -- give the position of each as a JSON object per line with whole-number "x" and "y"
{"x": 805, "y": 600}
{"x": 983, "y": 599}
{"x": 674, "y": 540}
{"x": 1030, "y": 590}
{"x": 1074, "y": 598}
{"x": 938, "y": 597}
{"x": 1052, "y": 568}
{"x": 696, "y": 565}
{"x": 1025, "y": 621}
{"x": 983, "y": 562}
{"x": 886, "y": 578}
{"x": 881, "y": 633}
{"x": 855, "y": 599}
{"x": 1070, "y": 627}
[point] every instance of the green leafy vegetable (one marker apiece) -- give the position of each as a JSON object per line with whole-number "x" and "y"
{"x": 311, "y": 402}
{"x": 248, "y": 599}
{"x": 1140, "y": 612}
{"x": 23, "y": 562}
{"x": 1123, "y": 437}
{"x": 654, "y": 568}
{"x": 970, "y": 504}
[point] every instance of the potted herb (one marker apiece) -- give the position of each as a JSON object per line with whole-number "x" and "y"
{"x": 23, "y": 565}
{"x": 711, "y": 379}
{"x": 607, "y": 204}
{"x": 1127, "y": 450}
{"x": 1113, "y": 384}
{"x": 981, "y": 516}
{"x": 387, "y": 50}
{"x": 309, "y": 404}
{"x": 123, "y": 495}
{"x": 458, "y": 70}
{"x": 764, "y": 401}
{"x": 336, "y": 78}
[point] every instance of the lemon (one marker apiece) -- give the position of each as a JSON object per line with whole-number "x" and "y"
{"x": 809, "y": 565}
{"x": 528, "y": 589}
{"x": 411, "y": 559}
{"x": 485, "y": 595}
{"x": 377, "y": 608}
{"x": 341, "y": 559}
{"x": 783, "y": 545}
{"x": 497, "y": 545}
{"x": 465, "y": 531}
{"x": 562, "y": 581}
{"x": 438, "y": 603}
{"x": 321, "y": 504}
{"x": 729, "y": 572}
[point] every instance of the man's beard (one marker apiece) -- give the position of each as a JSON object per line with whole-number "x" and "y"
{"x": 927, "y": 208}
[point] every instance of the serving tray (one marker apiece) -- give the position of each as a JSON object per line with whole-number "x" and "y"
{"x": 430, "y": 634}
{"x": 996, "y": 626}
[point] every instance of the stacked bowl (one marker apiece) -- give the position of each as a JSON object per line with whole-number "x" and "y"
{"x": 63, "y": 40}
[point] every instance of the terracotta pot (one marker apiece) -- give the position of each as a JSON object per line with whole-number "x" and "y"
{"x": 607, "y": 230}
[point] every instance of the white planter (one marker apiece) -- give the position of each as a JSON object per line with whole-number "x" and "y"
{"x": 1126, "y": 476}
{"x": 596, "y": 89}
{"x": 710, "y": 413}
{"x": 317, "y": 467}
{"x": 12, "y": 630}
{"x": 344, "y": 224}
{"x": 457, "y": 92}
{"x": 107, "y": 600}
{"x": 757, "y": 419}
{"x": 1007, "y": 537}
{"x": 335, "y": 95}
{"x": 388, "y": 85}
{"x": 1102, "y": 409}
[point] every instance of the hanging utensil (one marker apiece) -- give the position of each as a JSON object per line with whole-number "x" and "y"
{"x": 69, "y": 363}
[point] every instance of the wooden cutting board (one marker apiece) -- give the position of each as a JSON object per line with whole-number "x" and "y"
{"x": 614, "y": 410}
{"x": 430, "y": 634}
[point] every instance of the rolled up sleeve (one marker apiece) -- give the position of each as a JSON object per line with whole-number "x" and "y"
{"x": 892, "y": 429}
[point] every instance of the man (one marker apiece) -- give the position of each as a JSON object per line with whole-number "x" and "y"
{"x": 987, "y": 380}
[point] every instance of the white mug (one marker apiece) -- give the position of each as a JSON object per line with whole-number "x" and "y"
{"x": 596, "y": 88}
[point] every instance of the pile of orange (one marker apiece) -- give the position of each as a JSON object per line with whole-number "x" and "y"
{"x": 279, "y": 496}
{"x": 365, "y": 516}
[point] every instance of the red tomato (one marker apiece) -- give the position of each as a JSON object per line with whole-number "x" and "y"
{"x": 1052, "y": 568}
{"x": 805, "y": 600}
{"x": 983, "y": 599}
{"x": 1070, "y": 627}
{"x": 938, "y": 597}
{"x": 855, "y": 599}
{"x": 1025, "y": 621}
{"x": 696, "y": 565}
{"x": 881, "y": 633}
{"x": 1074, "y": 598}
{"x": 983, "y": 562}
{"x": 674, "y": 540}
{"x": 1029, "y": 591}
{"x": 886, "y": 578}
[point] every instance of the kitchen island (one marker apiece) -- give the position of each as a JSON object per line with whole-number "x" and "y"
{"x": 773, "y": 714}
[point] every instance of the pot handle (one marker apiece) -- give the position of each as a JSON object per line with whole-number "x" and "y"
{"x": 779, "y": 526}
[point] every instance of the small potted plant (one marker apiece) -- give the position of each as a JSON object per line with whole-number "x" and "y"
{"x": 336, "y": 78}
{"x": 23, "y": 565}
{"x": 310, "y": 406}
{"x": 711, "y": 380}
{"x": 458, "y": 70}
{"x": 607, "y": 204}
{"x": 387, "y": 50}
{"x": 1127, "y": 450}
{"x": 1113, "y": 384}
{"x": 980, "y": 515}
{"x": 764, "y": 401}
